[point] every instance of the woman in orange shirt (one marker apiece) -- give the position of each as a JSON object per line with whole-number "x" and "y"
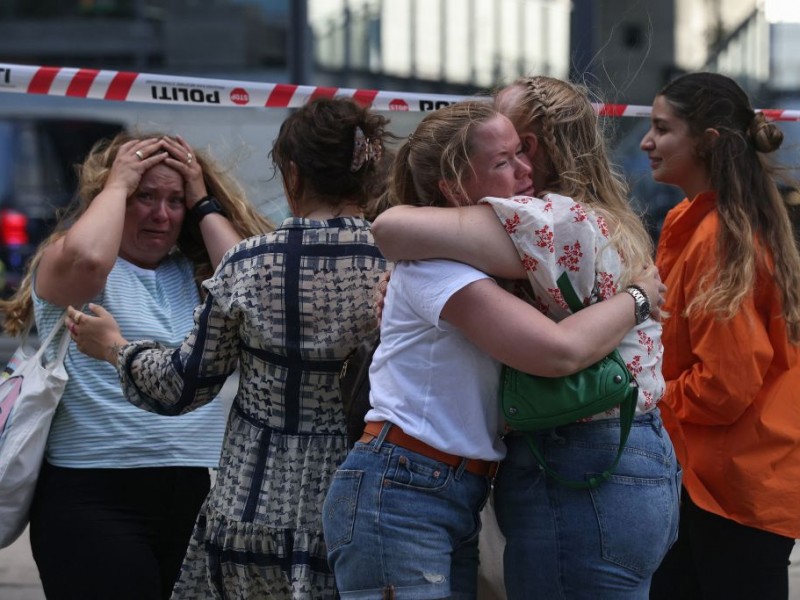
{"x": 728, "y": 258}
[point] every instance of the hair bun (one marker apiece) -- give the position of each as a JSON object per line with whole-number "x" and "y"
{"x": 765, "y": 135}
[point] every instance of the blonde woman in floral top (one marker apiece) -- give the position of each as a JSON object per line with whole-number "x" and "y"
{"x": 564, "y": 542}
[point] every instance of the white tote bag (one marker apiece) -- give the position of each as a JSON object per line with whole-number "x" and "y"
{"x": 29, "y": 396}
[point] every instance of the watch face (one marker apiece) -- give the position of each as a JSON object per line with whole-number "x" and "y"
{"x": 642, "y": 306}
{"x": 642, "y": 309}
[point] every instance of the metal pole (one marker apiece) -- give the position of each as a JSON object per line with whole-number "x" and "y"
{"x": 141, "y": 25}
{"x": 412, "y": 37}
{"x": 471, "y": 27}
{"x": 348, "y": 40}
{"x": 523, "y": 68}
{"x": 443, "y": 26}
{"x": 298, "y": 45}
{"x": 497, "y": 67}
{"x": 582, "y": 38}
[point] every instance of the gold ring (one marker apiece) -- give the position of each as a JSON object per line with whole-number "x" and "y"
{"x": 139, "y": 154}
{"x": 77, "y": 318}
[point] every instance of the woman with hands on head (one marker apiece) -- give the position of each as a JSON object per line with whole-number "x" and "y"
{"x": 402, "y": 514}
{"x": 563, "y": 542}
{"x": 287, "y": 306}
{"x": 120, "y": 489}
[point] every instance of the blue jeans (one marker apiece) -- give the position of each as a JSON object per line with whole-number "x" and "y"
{"x": 597, "y": 544}
{"x": 398, "y": 524}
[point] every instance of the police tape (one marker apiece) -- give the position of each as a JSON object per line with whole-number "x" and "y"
{"x": 127, "y": 86}
{"x": 195, "y": 91}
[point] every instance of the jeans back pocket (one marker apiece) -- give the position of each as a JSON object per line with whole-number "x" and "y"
{"x": 339, "y": 508}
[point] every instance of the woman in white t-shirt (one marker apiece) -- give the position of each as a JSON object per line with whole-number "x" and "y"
{"x": 402, "y": 515}
{"x": 564, "y": 542}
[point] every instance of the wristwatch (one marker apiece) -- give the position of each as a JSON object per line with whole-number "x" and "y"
{"x": 642, "y": 308}
{"x": 205, "y": 206}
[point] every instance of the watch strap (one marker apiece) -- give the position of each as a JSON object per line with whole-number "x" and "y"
{"x": 642, "y": 307}
{"x": 205, "y": 206}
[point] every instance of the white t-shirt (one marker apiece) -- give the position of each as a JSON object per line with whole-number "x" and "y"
{"x": 426, "y": 377}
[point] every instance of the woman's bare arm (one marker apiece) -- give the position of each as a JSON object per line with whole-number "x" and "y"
{"x": 469, "y": 234}
{"x": 515, "y": 333}
{"x": 74, "y": 268}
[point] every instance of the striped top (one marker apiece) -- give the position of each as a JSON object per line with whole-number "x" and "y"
{"x": 95, "y": 426}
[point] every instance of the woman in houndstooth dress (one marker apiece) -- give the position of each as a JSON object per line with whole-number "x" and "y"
{"x": 287, "y": 307}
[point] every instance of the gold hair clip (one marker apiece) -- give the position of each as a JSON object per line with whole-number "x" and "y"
{"x": 364, "y": 150}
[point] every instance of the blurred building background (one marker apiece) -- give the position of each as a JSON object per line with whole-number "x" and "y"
{"x": 625, "y": 50}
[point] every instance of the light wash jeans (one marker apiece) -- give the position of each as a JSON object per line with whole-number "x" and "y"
{"x": 400, "y": 525}
{"x": 597, "y": 544}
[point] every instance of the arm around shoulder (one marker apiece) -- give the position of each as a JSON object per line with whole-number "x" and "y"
{"x": 470, "y": 234}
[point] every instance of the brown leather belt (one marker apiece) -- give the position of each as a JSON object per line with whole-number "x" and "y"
{"x": 398, "y": 437}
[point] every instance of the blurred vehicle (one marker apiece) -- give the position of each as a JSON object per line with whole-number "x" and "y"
{"x": 38, "y": 180}
{"x": 789, "y": 154}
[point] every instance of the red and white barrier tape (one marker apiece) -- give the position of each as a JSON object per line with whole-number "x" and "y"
{"x": 128, "y": 86}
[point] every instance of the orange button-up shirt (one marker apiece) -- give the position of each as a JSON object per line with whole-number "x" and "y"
{"x": 732, "y": 403}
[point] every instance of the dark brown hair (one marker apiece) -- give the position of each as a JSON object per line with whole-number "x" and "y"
{"x": 320, "y": 138}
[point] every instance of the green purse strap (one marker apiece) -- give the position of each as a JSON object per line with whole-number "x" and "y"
{"x": 627, "y": 411}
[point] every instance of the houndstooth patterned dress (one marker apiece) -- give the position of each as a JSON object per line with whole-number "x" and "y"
{"x": 288, "y": 306}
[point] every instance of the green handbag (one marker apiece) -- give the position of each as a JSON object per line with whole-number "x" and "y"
{"x": 531, "y": 403}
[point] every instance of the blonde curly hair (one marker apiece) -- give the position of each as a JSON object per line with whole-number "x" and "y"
{"x": 561, "y": 115}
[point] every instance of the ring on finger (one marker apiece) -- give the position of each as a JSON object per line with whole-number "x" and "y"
{"x": 139, "y": 154}
{"x": 189, "y": 158}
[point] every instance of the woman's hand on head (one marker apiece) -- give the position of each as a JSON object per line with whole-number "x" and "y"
{"x": 96, "y": 335}
{"x": 650, "y": 281}
{"x": 132, "y": 160}
{"x": 219, "y": 233}
{"x": 181, "y": 157}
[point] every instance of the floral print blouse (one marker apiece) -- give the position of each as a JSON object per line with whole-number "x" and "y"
{"x": 555, "y": 235}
